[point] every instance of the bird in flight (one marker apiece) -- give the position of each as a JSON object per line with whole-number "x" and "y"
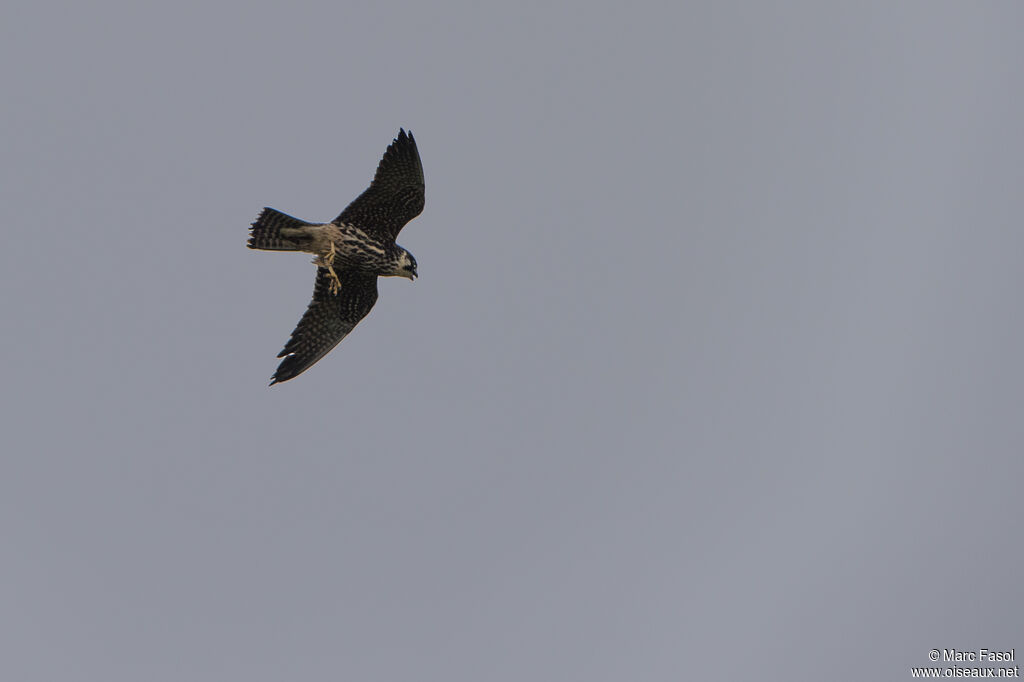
{"x": 352, "y": 251}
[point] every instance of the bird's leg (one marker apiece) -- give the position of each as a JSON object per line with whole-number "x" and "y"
{"x": 329, "y": 262}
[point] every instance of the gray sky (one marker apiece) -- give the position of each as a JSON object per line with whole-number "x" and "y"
{"x": 712, "y": 370}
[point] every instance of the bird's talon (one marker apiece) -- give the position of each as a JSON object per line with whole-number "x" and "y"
{"x": 335, "y": 285}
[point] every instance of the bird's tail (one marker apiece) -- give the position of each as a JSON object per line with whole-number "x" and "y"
{"x": 266, "y": 233}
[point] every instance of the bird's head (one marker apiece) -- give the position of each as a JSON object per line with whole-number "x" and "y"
{"x": 406, "y": 265}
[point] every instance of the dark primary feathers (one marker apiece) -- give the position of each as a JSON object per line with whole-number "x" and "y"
{"x": 328, "y": 319}
{"x": 396, "y": 194}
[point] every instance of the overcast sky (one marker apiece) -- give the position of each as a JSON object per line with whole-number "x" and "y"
{"x": 713, "y": 368}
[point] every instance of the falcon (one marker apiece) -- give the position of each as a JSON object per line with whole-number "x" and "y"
{"x": 351, "y": 251}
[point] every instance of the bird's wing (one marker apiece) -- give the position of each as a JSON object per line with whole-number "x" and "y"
{"x": 396, "y": 194}
{"x": 327, "y": 320}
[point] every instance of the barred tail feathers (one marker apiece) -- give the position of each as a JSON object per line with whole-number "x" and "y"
{"x": 266, "y": 232}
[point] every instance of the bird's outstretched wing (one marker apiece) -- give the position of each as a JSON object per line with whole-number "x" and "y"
{"x": 396, "y": 194}
{"x": 327, "y": 320}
